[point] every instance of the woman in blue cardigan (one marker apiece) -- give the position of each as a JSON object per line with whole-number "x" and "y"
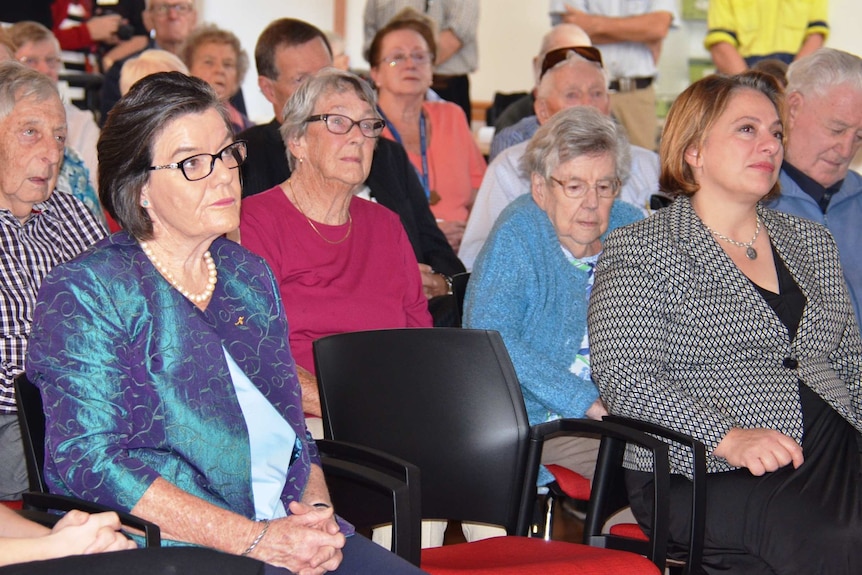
{"x": 532, "y": 279}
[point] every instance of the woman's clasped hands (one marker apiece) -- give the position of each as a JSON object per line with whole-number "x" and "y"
{"x": 307, "y": 542}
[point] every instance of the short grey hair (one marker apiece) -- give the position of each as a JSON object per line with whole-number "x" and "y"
{"x": 301, "y": 104}
{"x": 576, "y": 132}
{"x": 822, "y": 70}
{"x": 18, "y": 82}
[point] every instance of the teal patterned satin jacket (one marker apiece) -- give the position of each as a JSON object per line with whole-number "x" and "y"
{"x": 135, "y": 382}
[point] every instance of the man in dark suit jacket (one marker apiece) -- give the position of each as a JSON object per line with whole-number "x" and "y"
{"x": 287, "y": 52}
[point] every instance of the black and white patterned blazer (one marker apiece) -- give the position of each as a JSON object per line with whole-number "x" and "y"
{"x": 680, "y": 337}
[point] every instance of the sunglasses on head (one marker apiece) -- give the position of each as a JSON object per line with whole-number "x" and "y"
{"x": 554, "y": 57}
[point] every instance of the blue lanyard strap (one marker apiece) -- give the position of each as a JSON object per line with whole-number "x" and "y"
{"x": 423, "y": 148}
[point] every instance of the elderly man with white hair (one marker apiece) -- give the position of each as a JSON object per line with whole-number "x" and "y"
{"x": 38, "y": 230}
{"x": 569, "y": 76}
{"x": 824, "y": 133}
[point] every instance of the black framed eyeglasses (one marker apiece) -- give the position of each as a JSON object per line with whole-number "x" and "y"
{"x": 554, "y": 57}
{"x": 338, "y": 124}
{"x": 200, "y": 166}
{"x": 577, "y": 189}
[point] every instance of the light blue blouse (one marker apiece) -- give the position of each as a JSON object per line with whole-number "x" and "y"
{"x": 272, "y": 443}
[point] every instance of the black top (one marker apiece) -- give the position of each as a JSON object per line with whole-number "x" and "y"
{"x": 820, "y": 194}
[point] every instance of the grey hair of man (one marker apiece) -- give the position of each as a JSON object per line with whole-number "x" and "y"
{"x": 18, "y": 82}
{"x": 543, "y": 88}
{"x": 559, "y": 36}
{"x": 822, "y": 70}
{"x": 573, "y": 133}
{"x": 301, "y": 104}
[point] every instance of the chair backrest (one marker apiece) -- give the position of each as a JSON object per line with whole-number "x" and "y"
{"x": 498, "y": 106}
{"x": 444, "y": 399}
{"x": 31, "y": 419}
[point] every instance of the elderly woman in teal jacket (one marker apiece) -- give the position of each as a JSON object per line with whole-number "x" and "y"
{"x": 532, "y": 280}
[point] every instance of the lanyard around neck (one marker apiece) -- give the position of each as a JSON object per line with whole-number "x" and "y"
{"x": 423, "y": 148}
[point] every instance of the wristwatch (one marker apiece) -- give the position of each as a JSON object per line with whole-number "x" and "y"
{"x": 448, "y": 281}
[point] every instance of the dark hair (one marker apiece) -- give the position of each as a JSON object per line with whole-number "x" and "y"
{"x": 692, "y": 116}
{"x": 773, "y": 67}
{"x": 126, "y": 144}
{"x": 407, "y": 19}
{"x": 282, "y": 32}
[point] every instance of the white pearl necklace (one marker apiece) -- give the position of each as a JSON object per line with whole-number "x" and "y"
{"x": 193, "y": 297}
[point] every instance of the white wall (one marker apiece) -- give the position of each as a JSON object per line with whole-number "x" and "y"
{"x": 509, "y": 35}
{"x": 247, "y": 18}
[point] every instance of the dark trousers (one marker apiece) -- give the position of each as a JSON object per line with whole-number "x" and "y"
{"x": 362, "y": 557}
{"x": 455, "y": 89}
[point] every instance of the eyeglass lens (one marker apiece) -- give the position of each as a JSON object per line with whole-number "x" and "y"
{"x": 576, "y": 188}
{"x": 338, "y": 124}
{"x": 202, "y": 165}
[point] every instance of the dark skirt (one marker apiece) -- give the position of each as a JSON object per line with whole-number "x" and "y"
{"x": 804, "y": 521}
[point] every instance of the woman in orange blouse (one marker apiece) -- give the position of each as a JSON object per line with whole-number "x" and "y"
{"x": 436, "y": 134}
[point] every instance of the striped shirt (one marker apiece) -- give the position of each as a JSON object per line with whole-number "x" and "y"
{"x": 461, "y": 17}
{"x": 59, "y": 229}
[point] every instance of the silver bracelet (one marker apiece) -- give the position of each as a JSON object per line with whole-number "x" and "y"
{"x": 258, "y": 538}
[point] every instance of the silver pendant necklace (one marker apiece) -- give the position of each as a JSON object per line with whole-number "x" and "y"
{"x": 750, "y": 252}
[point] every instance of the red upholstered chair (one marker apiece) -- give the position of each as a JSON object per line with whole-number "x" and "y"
{"x": 630, "y": 536}
{"x": 448, "y": 401}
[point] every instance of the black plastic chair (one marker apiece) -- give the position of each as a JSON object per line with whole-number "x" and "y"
{"x": 448, "y": 401}
{"x": 501, "y": 101}
{"x": 686, "y": 561}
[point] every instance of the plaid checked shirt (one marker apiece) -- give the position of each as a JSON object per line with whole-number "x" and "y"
{"x": 59, "y": 229}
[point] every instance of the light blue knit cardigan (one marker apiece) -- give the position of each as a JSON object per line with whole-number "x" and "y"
{"x": 523, "y": 286}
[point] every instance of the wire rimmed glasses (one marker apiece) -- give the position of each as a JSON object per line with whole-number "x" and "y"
{"x": 576, "y": 188}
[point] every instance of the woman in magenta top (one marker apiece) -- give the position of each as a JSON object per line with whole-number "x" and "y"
{"x": 436, "y": 135}
{"x": 342, "y": 263}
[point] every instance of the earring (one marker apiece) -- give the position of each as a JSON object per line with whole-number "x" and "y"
{"x": 301, "y": 160}
{"x": 145, "y": 203}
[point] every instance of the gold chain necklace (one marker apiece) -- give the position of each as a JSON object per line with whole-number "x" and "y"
{"x": 311, "y": 223}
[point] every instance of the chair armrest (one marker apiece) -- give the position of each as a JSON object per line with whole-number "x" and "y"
{"x": 46, "y": 501}
{"x": 698, "y": 474}
{"x": 369, "y": 487}
{"x": 606, "y": 485}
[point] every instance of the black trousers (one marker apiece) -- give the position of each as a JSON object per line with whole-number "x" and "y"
{"x": 455, "y": 89}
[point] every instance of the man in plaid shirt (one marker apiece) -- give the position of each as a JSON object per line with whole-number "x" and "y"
{"x": 38, "y": 230}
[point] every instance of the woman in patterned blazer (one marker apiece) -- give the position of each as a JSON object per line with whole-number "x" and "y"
{"x": 732, "y": 323}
